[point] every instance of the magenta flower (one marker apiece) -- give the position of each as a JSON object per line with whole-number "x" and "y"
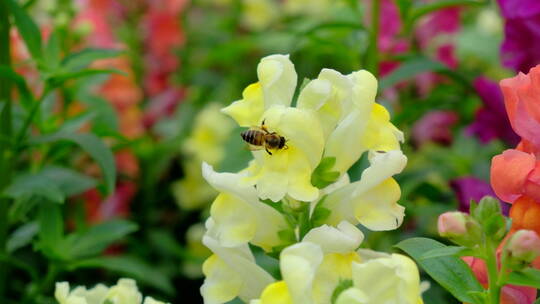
{"x": 471, "y": 188}
{"x": 435, "y": 126}
{"x": 491, "y": 121}
{"x": 521, "y": 43}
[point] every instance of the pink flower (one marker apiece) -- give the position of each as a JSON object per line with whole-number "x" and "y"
{"x": 452, "y": 224}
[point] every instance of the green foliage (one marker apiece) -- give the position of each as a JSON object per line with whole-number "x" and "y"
{"x": 526, "y": 277}
{"x": 449, "y": 271}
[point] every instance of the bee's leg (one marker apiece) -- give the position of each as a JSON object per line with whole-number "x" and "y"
{"x": 263, "y": 127}
{"x": 268, "y": 151}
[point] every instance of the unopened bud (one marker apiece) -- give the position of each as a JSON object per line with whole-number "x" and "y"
{"x": 524, "y": 246}
{"x": 452, "y": 224}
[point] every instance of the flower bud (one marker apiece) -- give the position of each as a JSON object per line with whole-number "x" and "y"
{"x": 524, "y": 245}
{"x": 452, "y": 224}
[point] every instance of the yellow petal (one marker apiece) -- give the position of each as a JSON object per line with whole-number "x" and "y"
{"x": 345, "y": 238}
{"x": 240, "y": 261}
{"x": 319, "y": 95}
{"x": 221, "y": 284}
{"x": 334, "y": 268}
{"x": 276, "y": 293}
{"x": 234, "y": 227}
{"x": 398, "y": 281}
{"x": 381, "y": 134}
{"x": 371, "y": 201}
{"x": 248, "y": 111}
{"x": 278, "y": 80}
{"x": 298, "y": 264}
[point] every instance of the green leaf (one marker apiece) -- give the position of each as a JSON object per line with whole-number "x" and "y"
{"x": 409, "y": 69}
{"x": 131, "y": 267}
{"x": 449, "y": 271}
{"x": 27, "y": 28}
{"x": 443, "y": 251}
{"x": 22, "y": 236}
{"x": 27, "y": 186}
{"x": 97, "y": 238}
{"x": 93, "y": 146}
{"x": 52, "y": 51}
{"x": 57, "y": 79}
{"x": 526, "y": 277}
{"x": 51, "y": 230}
{"x": 26, "y": 97}
{"x": 85, "y": 57}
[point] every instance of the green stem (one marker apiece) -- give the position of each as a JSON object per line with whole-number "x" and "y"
{"x": 493, "y": 276}
{"x": 6, "y": 166}
{"x": 372, "y": 56}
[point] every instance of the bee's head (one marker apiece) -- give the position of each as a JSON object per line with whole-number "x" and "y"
{"x": 282, "y": 142}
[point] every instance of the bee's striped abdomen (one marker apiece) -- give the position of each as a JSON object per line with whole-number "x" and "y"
{"x": 253, "y": 137}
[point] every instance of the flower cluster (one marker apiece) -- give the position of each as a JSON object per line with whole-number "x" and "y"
{"x": 515, "y": 174}
{"x": 124, "y": 292}
{"x": 296, "y": 202}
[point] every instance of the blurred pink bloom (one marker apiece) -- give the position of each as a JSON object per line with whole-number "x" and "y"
{"x": 435, "y": 126}
{"x": 162, "y": 105}
{"x": 521, "y": 43}
{"x": 99, "y": 14}
{"x": 491, "y": 121}
{"x": 114, "y": 206}
{"x": 163, "y": 37}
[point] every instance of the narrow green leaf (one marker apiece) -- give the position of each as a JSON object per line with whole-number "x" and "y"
{"x": 85, "y": 57}
{"x": 409, "y": 69}
{"x": 442, "y": 252}
{"x": 29, "y": 185}
{"x": 97, "y": 238}
{"x": 58, "y": 79}
{"x": 52, "y": 51}
{"x": 93, "y": 146}
{"x": 22, "y": 236}
{"x": 51, "y": 229}
{"x": 129, "y": 266}
{"x": 426, "y": 8}
{"x": 526, "y": 277}
{"x": 449, "y": 271}
{"x": 27, "y": 28}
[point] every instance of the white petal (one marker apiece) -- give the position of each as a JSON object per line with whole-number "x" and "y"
{"x": 343, "y": 239}
{"x": 241, "y": 260}
{"x": 278, "y": 79}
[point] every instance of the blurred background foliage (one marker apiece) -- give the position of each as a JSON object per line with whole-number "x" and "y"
{"x": 109, "y": 107}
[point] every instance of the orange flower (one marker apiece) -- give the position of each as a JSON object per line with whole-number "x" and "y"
{"x": 522, "y": 101}
{"x": 515, "y": 174}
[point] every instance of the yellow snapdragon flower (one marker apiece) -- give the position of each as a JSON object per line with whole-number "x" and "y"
{"x": 286, "y": 171}
{"x": 371, "y": 201}
{"x": 317, "y": 273}
{"x": 231, "y": 272}
{"x": 124, "y": 292}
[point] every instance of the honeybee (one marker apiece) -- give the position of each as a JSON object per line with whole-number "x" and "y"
{"x": 261, "y": 138}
